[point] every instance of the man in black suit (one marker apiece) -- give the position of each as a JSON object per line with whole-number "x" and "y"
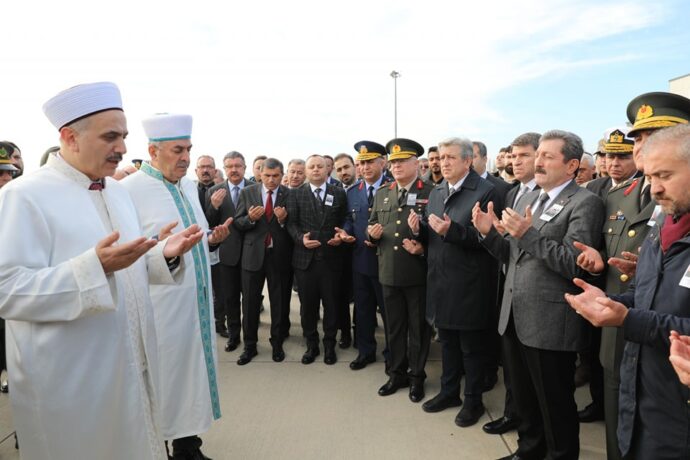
{"x": 221, "y": 203}
{"x": 316, "y": 210}
{"x": 205, "y": 171}
{"x": 493, "y": 343}
{"x": 461, "y": 279}
{"x": 266, "y": 254}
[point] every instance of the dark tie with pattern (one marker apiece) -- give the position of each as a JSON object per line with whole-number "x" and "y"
{"x": 370, "y": 198}
{"x": 317, "y": 194}
{"x": 269, "y": 214}
{"x": 539, "y": 208}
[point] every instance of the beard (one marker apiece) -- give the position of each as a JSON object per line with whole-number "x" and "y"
{"x": 509, "y": 169}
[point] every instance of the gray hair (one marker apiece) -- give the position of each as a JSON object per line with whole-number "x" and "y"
{"x": 466, "y": 152}
{"x": 206, "y": 156}
{"x": 527, "y": 139}
{"x": 588, "y": 158}
{"x": 272, "y": 163}
{"x": 481, "y": 147}
{"x": 572, "y": 147}
{"x": 678, "y": 135}
{"x": 233, "y": 155}
{"x": 297, "y": 161}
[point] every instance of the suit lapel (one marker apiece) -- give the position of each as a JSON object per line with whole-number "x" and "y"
{"x": 562, "y": 199}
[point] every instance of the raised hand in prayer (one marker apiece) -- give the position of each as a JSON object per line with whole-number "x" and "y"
{"x": 179, "y": 243}
{"x": 218, "y": 197}
{"x": 627, "y": 264}
{"x": 515, "y": 224}
{"x": 439, "y": 225}
{"x": 481, "y": 220}
{"x": 595, "y": 307}
{"x": 680, "y": 356}
{"x": 375, "y": 231}
{"x": 589, "y": 258}
{"x": 114, "y": 257}
{"x": 414, "y": 247}
{"x": 309, "y": 243}
{"x": 344, "y": 236}
{"x": 220, "y": 233}
{"x": 281, "y": 214}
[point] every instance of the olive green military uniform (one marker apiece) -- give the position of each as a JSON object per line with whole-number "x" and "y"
{"x": 403, "y": 279}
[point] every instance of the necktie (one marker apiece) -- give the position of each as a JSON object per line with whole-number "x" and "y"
{"x": 235, "y": 194}
{"x": 98, "y": 185}
{"x": 269, "y": 214}
{"x": 403, "y": 195}
{"x": 370, "y": 198}
{"x": 317, "y": 194}
{"x": 523, "y": 189}
{"x": 645, "y": 196}
{"x": 539, "y": 208}
{"x": 451, "y": 190}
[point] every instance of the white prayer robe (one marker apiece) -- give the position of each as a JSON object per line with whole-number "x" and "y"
{"x": 81, "y": 346}
{"x": 185, "y": 400}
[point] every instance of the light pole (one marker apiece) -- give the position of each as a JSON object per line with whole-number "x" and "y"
{"x": 395, "y": 75}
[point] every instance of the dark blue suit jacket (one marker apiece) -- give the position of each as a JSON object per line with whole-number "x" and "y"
{"x": 364, "y": 258}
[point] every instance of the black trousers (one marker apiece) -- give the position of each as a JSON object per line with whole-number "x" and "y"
{"x": 218, "y": 307}
{"x": 368, "y": 295}
{"x": 316, "y": 286}
{"x": 343, "y": 295}
{"x": 463, "y": 349}
{"x": 509, "y": 409}
{"x": 279, "y": 282}
{"x": 230, "y": 283}
{"x": 596, "y": 371}
{"x": 544, "y": 393}
{"x": 408, "y": 332}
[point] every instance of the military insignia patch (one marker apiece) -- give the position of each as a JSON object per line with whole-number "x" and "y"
{"x": 396, "y": 149}
{"x": 363, "y": 150}
{"x": 645, "y": 111}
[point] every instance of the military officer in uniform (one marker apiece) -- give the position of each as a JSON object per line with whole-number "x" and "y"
{"x": 401, "y": 273}
{"x": 367, "y": 288}
{"x": 629, "y": 209}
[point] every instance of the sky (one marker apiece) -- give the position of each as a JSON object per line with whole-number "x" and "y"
{"x": 289, "y": 79}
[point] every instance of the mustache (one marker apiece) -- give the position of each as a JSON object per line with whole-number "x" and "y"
{"x": 182, "y": 164}
{"x": 539, "y": 171}
{"x": 115, "y": 157}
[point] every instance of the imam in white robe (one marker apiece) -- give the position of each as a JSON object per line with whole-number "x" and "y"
{"x": 184, "y": 313}
{"x": 81, "y": 346}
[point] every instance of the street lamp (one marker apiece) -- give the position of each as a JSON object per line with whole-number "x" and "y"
{"x": 395, "y": 75}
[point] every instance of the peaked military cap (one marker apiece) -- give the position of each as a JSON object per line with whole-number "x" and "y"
{"x": 617, "y": 142}
{"x": 368, "y": 150}
{"x": 401, "y": 149}
{"x": 657, "y": 110}
{"x": 6, "y": 157}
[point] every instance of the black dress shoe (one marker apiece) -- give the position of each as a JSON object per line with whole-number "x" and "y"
{"x": 416, "y": 392}
{"x": 246, "y": 356}
{"x": 469, "y": 415}
{"x": 329, "y": 356}
{"x": 310, "y": 355}
{"x": 441, "y": 402}
{"x": 501, "y": 425}
{"x": 222, "y": 331}
{"x": 345, "y": 341}
{"x": 391, "y": 386}
{"x": 232, "y": 344}
{"x": 278, "y": 353}
{"x": 361, "y": 362}
{"x": 591, "y": 413}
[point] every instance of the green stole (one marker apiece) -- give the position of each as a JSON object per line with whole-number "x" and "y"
{"x": 186, "y": 212}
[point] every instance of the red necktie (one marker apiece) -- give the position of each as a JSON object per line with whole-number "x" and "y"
{"x": 269, "y": 214}
{"x": 96, "y": 186}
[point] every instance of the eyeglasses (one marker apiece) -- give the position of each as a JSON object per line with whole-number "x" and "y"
{"x": 620, "y": 156}
{"x": 12, "y": 174}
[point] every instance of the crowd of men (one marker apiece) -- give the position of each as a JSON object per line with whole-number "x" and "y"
{"x": 557, "y": 258}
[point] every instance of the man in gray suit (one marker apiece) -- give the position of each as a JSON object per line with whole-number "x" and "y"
{"x": 542, "y": 333}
